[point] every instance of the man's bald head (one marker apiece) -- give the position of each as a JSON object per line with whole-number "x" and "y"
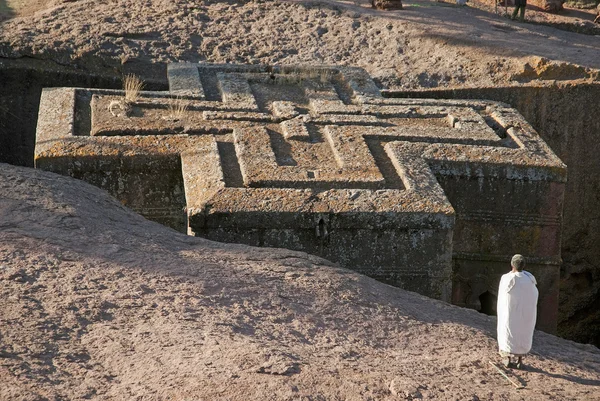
{"x": 518, "y": 262}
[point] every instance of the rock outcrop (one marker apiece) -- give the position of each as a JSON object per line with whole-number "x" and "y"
{"x": 98, "y": 303}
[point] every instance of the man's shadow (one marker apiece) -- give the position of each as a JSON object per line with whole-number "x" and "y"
{"x": 574, "y": 379}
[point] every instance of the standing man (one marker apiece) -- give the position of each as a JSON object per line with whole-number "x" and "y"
{"x": 519, "y": 5}
{"x": 517, "y": 312}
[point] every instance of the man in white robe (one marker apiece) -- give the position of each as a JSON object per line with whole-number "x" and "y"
{"x": 517, "y": 312}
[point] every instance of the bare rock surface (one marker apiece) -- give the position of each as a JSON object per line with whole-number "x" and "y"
{"x": 98, "y": 303}
{"x": 428, "y": 44}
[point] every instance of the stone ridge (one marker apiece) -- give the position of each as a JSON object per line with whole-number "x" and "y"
{"x": 409, "y": 191}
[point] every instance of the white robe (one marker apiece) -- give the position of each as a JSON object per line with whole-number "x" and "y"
{"x": 517, "y": 312}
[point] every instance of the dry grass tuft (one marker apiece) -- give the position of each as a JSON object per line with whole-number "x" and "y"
{"x": 133, "y": 85}
{"x": 178, "y": 109}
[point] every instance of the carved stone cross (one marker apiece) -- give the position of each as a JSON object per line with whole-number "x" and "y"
{"x": 431, "y": 195}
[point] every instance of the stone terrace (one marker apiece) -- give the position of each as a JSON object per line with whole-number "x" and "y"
{"x": 431, "y": 195}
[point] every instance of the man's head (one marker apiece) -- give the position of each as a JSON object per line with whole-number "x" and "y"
{"x": 518, "y": 262}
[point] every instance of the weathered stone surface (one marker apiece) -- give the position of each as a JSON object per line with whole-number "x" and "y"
{"x": 430, "y": 195}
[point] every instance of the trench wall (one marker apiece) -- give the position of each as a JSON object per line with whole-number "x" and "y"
{"x": 567, "y": 116}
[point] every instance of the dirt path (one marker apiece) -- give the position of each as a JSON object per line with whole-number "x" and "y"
{"x": 427, "y": 44}
{"x": 482, "y": 30}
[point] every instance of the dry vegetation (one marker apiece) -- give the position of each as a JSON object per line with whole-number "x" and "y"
{"x": 178, "y": 109}
{"x": 132, "y": 85}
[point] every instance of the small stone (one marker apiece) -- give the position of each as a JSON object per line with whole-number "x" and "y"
{"x": 404, "y": 386}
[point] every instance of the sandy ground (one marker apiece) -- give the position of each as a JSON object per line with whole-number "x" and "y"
{"x": 427, "y": 44}
{"x": 98, "y": 303}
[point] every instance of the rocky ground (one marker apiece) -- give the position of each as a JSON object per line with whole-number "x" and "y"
{"x": 98, "y": 303}
{"x": 427, "y": 44}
